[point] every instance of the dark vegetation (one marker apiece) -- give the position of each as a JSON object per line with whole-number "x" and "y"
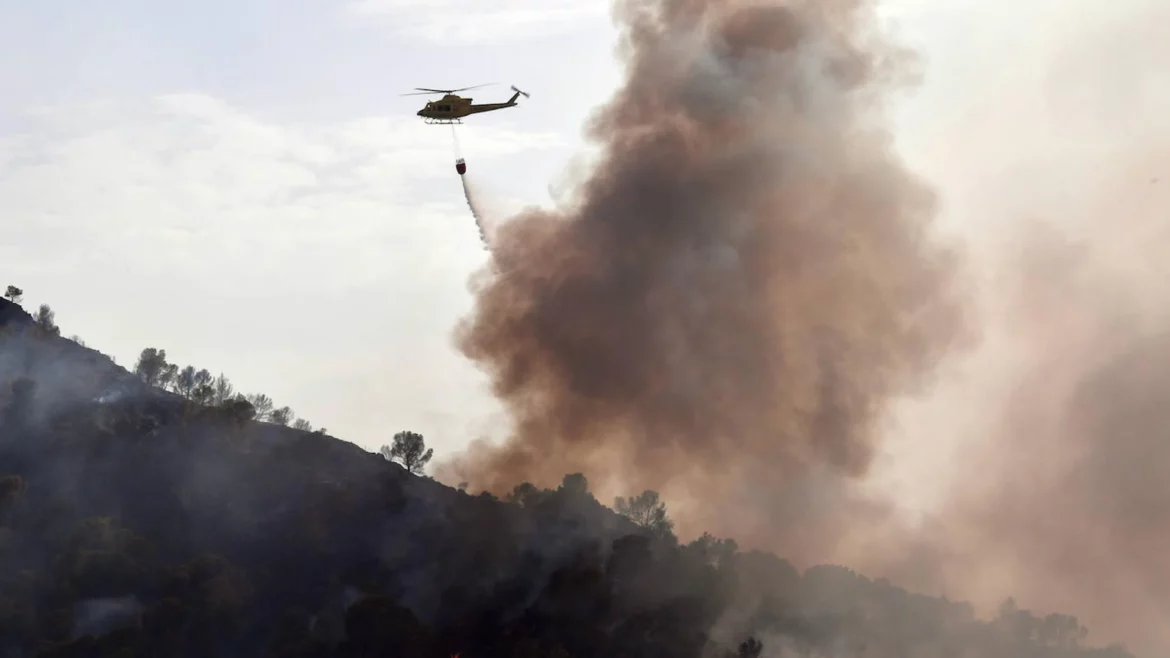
{"x": 205, "y": 390}
{"x": 150, "y": 514}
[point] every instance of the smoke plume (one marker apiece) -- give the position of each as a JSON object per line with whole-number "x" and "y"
{"x": 738, "y": 287}
{"x": 1061, "y": 499}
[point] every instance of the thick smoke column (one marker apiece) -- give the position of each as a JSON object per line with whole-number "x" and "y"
{"x": 1064, "y": 500}
{"x": 740, "y": 284}
{"x": 1060, "y": 496}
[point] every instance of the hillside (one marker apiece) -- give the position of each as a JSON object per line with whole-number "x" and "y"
{"x": 136, "y": 523}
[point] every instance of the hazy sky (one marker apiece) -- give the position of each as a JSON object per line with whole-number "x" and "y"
{"x": 241, "y": 184}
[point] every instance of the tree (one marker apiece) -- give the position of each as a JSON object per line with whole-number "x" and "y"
{"x": 152, "y": 366}
{"x": 575, "y": 484}
{"x": 202, "y": 378}
{"x": 715, "y": 552}
{"x": 169, "y": 377}
{"x": 411, "y": 449}
{"x": 204, "y": 392}
{"x": 281, "y": 416}
{"x": 261, "y": 403}
{"x": 223, "y": 389}
{"x": 525, "y": 494}
{"x": 240, "y": 410}
{"x": 45, "y": 319}
{"x": 185, "y": 382}
{"x": 303, "y": 425}
{"x": 14, "y": 294}
{"x": 646, "y": 511}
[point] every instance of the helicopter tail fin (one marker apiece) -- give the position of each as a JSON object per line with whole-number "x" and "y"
{"x": 512, "y": 100}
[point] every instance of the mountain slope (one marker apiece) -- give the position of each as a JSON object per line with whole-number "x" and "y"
{"x": 135, "y": 523}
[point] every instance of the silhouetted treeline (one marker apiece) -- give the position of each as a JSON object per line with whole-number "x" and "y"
{"x": 133, "y": 523}
{"x": 45, "y": 319}
{"x": 202, "y": 388}
{"x": 196, "y": 385}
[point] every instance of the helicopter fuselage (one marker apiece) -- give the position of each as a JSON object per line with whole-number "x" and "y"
{"x": 452, "y": 108}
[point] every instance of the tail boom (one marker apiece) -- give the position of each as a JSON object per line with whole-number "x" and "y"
{"x": 488, "y": 107}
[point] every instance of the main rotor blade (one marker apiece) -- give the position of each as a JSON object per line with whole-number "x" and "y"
{"x": 423, "y": 91}
{"x": 488, "y": 84}
{"x": 451, "y": 91}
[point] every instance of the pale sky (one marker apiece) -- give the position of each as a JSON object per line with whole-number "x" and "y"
{"x": 241, "y": 184}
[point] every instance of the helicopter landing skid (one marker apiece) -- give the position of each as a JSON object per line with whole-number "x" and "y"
{"x": 442, "y": 122}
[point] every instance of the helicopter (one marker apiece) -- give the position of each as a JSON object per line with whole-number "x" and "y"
{"x": 451, "y": 108}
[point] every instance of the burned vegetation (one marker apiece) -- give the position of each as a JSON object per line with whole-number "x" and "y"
{"x": 146, "y": 524}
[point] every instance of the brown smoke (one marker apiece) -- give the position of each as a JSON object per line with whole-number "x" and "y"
{"x": 1063, "y": 497}
{"x": 741, "y": 284}
{"x": 1064, "y": 503}
{"x": 1073, "y": 508}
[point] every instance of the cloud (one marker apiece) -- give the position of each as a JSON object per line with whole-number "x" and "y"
{"x": 471, "y": 21}
{"x": 188, "y": 169}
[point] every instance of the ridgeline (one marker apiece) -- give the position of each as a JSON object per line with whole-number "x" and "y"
{"x": 137, "y": 521}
